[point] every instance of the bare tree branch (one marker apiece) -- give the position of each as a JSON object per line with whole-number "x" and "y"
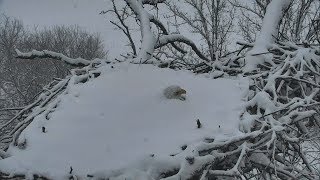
{"x": 180, "y": 38}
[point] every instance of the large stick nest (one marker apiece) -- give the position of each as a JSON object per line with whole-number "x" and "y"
{"x": 280, "y": 119}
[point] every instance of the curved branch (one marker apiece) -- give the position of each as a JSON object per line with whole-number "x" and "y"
{"x": 148, "y": 39}
{"x": 164, "y": 30}
{"x": 180, "y": 38}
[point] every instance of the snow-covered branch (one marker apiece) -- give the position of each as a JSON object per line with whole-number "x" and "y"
{"x": 149, "y": 42}
{"x": 53, "y": 55}
{"x": 164, "y": 30}
{"x": 148, "y": 38}
{"x": 267, "y": 35}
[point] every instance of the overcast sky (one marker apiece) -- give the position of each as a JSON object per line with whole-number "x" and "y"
{"x": 85, "y": 13}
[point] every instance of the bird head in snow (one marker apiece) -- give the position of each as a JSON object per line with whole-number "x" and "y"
{"x": 175, "y": 92}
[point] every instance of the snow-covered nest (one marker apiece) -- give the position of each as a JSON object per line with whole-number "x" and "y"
{"x": 121, "y": 122}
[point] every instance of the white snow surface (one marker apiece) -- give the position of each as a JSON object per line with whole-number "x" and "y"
{"x": 122, "y": 117}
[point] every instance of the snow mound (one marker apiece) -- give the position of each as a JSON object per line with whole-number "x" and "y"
{"x": 122, "y": 117}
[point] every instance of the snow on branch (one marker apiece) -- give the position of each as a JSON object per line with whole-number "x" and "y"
{"x": 164, "y": 30}
{"x": 149, "y": 41}
{"x": 283, "y": 99}
{"x": 267, "y": 35}
{"x": 148, "y": 38}
{"x": 54, "y": 55}
{"x": 270, "y": 23}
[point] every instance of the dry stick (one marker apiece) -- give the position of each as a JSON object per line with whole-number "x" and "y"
{"x": 21, "y": 126}
{"x": 20, "y": 176}
{"x": 257, "y": 54}
{"x": 219, "y": 145}
{"x": 284, "y": 174}
{"x": 277, "y": 110}
{"x": 44, "y": 89}
{"x": 301, "y": 80}
{"x": 12, "y": 109}
{"x": 304, "y": 159}
{"x": 21, "y": 112}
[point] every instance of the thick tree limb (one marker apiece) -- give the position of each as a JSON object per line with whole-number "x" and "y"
{"x": 266, "y": 37}
{"x": 53, "y": 55}
{"x": 148, "y": 38}
{"x": 149, "y": 42}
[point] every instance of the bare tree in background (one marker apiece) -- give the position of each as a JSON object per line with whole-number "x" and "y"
{"x": 69, "y": 40}
{"x": 11, "y": 34}
{"x": 299, "y": 23}
{"x": 212, "y": 20}
{"x": 154, "y": 34}
{"x": 122, "y": 15}
{"x": 22, "y": 80}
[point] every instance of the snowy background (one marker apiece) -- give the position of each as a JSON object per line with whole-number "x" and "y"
{"x": 84, "y": 13}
